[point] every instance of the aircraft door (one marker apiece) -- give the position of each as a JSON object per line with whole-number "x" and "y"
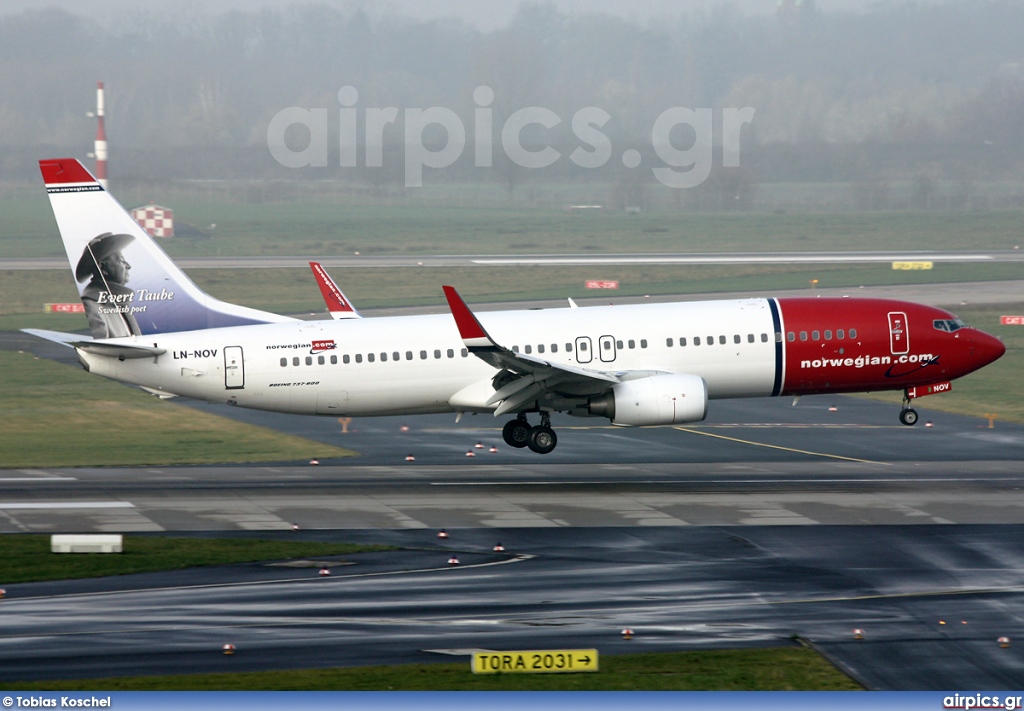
{"x": 606, "y": 348}
{"x": 234, "y": 368}
{"x": 584, "y": 353}
{"x": 899, "y": 333}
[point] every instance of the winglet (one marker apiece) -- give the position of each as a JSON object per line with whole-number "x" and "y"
{"x": 337, "y": 305}
{"x": 473, "y": 334}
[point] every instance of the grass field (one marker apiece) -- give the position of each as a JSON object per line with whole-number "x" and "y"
{"x": 782, "y": 669}
{"x": 53, "y": 415}
{"x": 27, "y": 229}
{"x": 27, "y": 558}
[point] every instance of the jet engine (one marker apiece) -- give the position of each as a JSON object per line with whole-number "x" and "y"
{"x": 664, "y": 399}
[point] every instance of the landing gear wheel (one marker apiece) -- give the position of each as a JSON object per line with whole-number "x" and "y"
{"x": 908, "y": 417}
{"x": 542, "y": 439}
{"x": 516, "y": 433}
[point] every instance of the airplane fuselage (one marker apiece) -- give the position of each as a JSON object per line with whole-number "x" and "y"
{"x": 418, "y": 364}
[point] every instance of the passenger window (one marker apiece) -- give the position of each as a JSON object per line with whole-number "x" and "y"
{"x": 803, "y": 335}
{"x": 383, "y": 357}
{"x": 828, "y": 335}
{"x": 632, "y": 343}
{"x": 711, "y": 340}
{"x": 737, "y": 339}
{"x": 396, "y": 356}
{"x": 669, "y": 342}
{"x": 359, "y": 357}
{"x": 408, "y": 355}
{"x": 437, "y": 354}
{"x": 840, "y": 334}
{"x": 643, "y": 342}
{"x": 696, "y": 340}
{"x": 682, "y": 341}
{"x": 778, "y": 337}
{"x": 369, "y": 357}
{"x": 465, "y": 352}
{"x": 345, "y": 359}
{"x": 334, "y": 360}
{"x": 618, "y": 344}
{"x": 853, "y": 333}
{"x": 750, "y": 338}
{"x": 607, "y": 345}
{"x": 295, "y": 360}
{"x": 528, "y": 349}
{"x": 423, "y": 355}
{"x": 583, "y": 345}
{"x": 515, "y": 349}
{"x": 790, "y": 336}
{"x": 815, "y": 335}
{"x": 451, "y": 353}
{"x": 284, "y": 362}
{"x": 554, "y": 348}
{"x": 721, "y": 340}
{"x": 309, "y": 360}
{"x": 540, "y": 348}
{"x": 319, "y": 360}
{"x": 568, "y": 348}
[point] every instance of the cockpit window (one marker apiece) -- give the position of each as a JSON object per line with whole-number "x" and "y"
{"x": 948, "y": 325}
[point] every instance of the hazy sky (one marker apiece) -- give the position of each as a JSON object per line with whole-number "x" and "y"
{"x": 484, "y": 14}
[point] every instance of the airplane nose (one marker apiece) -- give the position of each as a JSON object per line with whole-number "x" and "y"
{"x": 987, "y": 348}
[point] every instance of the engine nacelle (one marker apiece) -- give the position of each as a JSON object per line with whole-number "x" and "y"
{"x": 655, "y": 400}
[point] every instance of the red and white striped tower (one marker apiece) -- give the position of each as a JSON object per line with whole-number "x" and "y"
{"x": 100, "y": 149}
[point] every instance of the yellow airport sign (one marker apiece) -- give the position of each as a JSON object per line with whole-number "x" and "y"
{"x": 548, "y": 661}
{"x": 912, "y": 266}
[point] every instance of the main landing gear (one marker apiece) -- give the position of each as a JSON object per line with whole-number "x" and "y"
{"x": 907, "y": 415}
{"x": 541, "y": 438}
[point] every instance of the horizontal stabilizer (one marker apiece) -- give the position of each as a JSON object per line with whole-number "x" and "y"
{"x": 118, "y": 350}
{"x": 123, "y": 351}
{"x": 65, "y": 339}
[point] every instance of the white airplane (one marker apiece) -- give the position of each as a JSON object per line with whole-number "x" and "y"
{"x": 652, "y": 364}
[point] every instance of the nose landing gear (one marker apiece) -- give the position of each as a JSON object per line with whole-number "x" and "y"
{"x": 907, "y": 415}
{"x": 540, "y": 439}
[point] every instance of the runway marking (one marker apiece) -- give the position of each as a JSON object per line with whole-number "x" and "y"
{"x": 722, "y": 425}
{"x": 785, "y": 449}
{"x": 865, "y": 480}
{"x": 35, "y": 479}
{"x": 71, "y": 505}
{"x": 517, "y": 558}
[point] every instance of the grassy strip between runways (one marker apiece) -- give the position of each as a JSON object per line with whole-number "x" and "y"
{"x": 782, "y": 669}
{"x": 53, "y": 415}
{"x": 27, "y": 558}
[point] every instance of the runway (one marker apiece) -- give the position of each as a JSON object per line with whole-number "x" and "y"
{"x": 677, "y": 589}
{"x": 556, "y": 260}
{"x": 829, "y": 460}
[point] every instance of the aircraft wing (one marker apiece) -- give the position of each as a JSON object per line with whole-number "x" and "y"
{"x": 337, "y": 304}
{"x": 529, "y": 376}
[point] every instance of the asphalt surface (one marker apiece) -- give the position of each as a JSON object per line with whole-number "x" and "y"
{"x": 677, "y": 589}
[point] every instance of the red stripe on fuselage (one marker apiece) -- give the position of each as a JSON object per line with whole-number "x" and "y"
{"x": 874, "y": 359}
